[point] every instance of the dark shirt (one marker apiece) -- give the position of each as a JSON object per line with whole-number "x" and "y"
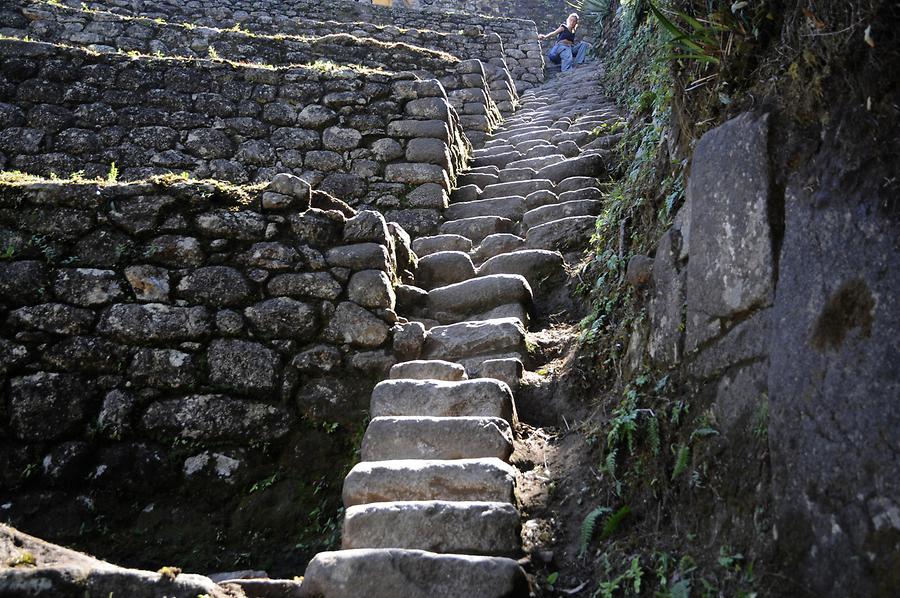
{"x": 565, "y": 34}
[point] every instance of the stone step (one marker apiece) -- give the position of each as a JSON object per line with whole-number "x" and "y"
{"x": 536, "y": 199}
{"x": 498, "y": 160}
{"x": 536, "y": 265}
{"x": 509, "y": 175}
{"x": 584, "y": 193}
{"x": 493, "y": 150}
{"x": 509, "y": 370}
{"x": 495, "y": 245}
{"x": 454, "y": 303}
{"x": 482, "y": 179}
{"x": 546, "y": 134}
{"x": 511, "y": 207}
{"x": 443, "y": 268}
{"x": 540, "y": 151}
{"x": 522, "y": 188}
{"x": 507, "y": 310}
{"x": 464, "y": 527}
{"x": 481, "y": 397}
{"x": 577, "y": 182}
{"x": 569, "y": 149}
{"x": 465, "y": 193}
{"x": 468, "y": 339}
{"x": 427, "y": 245}
{"x": 477, "y": 228}
{"x": 527, "y": 146}
{"x": 584, "y": 165}
{"x": 487, "y": 479}
{"x": 428, "y": 437}
{"x": 394, "y": 572}
{"x": 428, "y": 369}
{"x": 568, "y": 234}
{"x": 538, "y": 162}
{"x": 558, "y": 211}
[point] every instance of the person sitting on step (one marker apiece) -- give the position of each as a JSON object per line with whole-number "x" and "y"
{"x": 565, "y": 51}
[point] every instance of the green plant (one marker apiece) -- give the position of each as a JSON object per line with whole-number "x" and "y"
{"x": 264, "y": 484}
{"x": 588, "y": 527}
{"x": 23, "y": 559}
{"x": 699, "y": 41}
{"x": 682, "y": 459}
{"x": 113, "y": 175}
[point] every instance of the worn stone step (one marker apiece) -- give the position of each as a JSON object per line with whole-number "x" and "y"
{"x": 465, "y": 193}
{"x": 481, "y": 397}
{"x": 429, "y": 437}
{"x": 567, "y": 234}
{"x": 507, "y": 310}
{"x": 509, "y": 370}
{"x": 478, "y": 227}
{"x": 482, "y": 179}
{"x": 509, "y": 175}
{"x": 495, "y": 245}
{"x": 453, "y": 303}
{"x": 493, "y": 150}
{"x": 537, "y": 162}
{"x": 584, "y": 165}
{"x": 521, "y": 188}
{"x": 487, "y": 479}
{"x": 526, "y": 147}
{"x": 394, "y": 572}
{"x": 558, "y": 211}
{"x": 428, "y": 369}
{"x": 427, "y": 245}
{"x": 468, "y": 339}
{"x": 443, "y": 268}
{"x": 463, "y": 527}
{"x": 511, "y": 207}
{"x": 585, "y": 193}
{"x": 498, "y": 160}
{"x": 546, "y": 134}
{"x": 536, "y": 265}
{"x": 578, "y": 137}
{"x": 574, "y": 183}
{"x": 540, "y": 151}
{"x": 569, "y": 149}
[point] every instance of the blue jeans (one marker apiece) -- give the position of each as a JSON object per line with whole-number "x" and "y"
{"x": 569, "y": 56}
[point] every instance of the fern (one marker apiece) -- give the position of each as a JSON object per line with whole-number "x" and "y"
{"x": 653, "y": 434}
{"x": 682, "y": 458}
{"x": 612, "y": 524}
{"x": 610, "y": 462}
{"x": 588, "y": 526}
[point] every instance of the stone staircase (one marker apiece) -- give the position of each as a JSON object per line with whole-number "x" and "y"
{"x": 431, "y": 508}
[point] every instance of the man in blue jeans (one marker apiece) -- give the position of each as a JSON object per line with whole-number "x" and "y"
{"x": 565, "y": 51}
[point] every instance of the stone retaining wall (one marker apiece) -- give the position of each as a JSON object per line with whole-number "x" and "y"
{"x": 107, "y": 32}
{"x": 171, "y": 339}
{"x": 370, "y": 138}
{"x": 522, "y": 50}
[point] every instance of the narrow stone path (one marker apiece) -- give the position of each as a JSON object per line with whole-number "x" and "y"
{"x": 431, "y": 509}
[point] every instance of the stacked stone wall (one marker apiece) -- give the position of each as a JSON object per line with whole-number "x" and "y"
{"x": 168, "y": 339}
{"x": 367, "y": 137}
{"x": 104, "y": 31}
{"x": 522, "y": 51}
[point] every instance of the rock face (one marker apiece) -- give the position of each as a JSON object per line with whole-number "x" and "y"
{"x": 731, "y": 268}
{"x": 792, "y": 336}
{"x": 38, "y": 568}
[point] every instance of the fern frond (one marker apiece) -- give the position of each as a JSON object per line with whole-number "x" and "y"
{"x": 682, "y": 458}
{"x": 588, "y": 526}
{"x": 612, "y": 524}
{"x": 653, "y": 434}
{"x": 610, "y": 463}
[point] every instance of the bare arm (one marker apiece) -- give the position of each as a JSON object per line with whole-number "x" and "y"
{"x": 552, "y": 33}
